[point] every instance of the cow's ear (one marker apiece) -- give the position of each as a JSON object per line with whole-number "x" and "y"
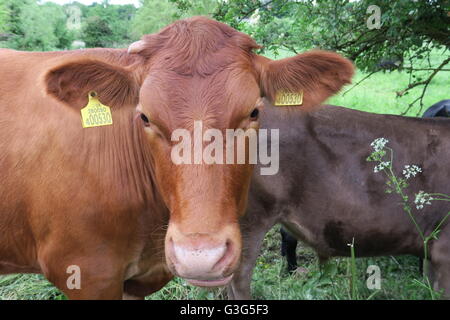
{"x": 317, "y": 74}
{"x": 71, "y": 81}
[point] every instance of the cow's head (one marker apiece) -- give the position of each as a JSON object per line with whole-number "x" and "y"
{"x": 199, "y": 70}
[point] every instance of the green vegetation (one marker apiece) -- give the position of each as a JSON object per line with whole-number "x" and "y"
{"x": 168, "y": 11}
{"x": 20, "y": 18}
{"x": 28, "y": 25}
{"x": 379, "y": 93}
{"x": 108, "y": 25}
{"x": 271, "y": 281}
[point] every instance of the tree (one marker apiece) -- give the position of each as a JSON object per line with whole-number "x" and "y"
{"x": 107, "y": 25}
{"x": 97, "y": 33}
{"x": 188, "y": 8}
{"x": 58, "y": 18}
{"x": 154, "y": 15}
{"x": 3, "y": 17}
{"x": 408, "y": 33}
{"x": 31, "y": 26}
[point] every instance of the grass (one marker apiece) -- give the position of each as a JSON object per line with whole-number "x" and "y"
{"x": 270, "y": 281}
{"x": 332, "y": 282}
{"x": 27, "y": 287}
{"x": 377, "y": 94}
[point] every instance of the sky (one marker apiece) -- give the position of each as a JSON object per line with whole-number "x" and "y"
{"x": 87, "y": 2}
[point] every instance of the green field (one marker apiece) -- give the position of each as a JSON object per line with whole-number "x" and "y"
{"x": 270, "y": 281}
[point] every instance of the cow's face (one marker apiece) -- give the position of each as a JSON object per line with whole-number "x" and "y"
{"x": 193, "y": 76}
{"x": 205, "y": 199}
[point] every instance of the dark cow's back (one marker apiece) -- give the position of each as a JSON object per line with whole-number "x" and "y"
{"x": 289, "y": 243}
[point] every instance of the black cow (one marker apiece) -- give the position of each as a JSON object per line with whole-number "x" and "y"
{"x": 288, "y": 248}
{"x": 440, "y": 109}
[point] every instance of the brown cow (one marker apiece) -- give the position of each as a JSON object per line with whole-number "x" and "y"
{"x": 326, "y": 193}
{"x": 96, "y": 198}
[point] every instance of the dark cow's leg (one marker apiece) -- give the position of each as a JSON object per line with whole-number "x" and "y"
{"x": 288, "y": 249}
{"x": 440, "y": 262}
{"x": 239, "y": 288}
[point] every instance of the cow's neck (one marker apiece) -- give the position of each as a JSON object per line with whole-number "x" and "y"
{"x": 121, "y": 159}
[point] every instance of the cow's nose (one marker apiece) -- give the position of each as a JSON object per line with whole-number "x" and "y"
{"x": 201, "y": 261}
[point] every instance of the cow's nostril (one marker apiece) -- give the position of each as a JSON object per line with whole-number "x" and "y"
{"x": 227, "y": 257}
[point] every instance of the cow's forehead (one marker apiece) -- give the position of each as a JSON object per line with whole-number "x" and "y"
{"x": 175, "y": 100}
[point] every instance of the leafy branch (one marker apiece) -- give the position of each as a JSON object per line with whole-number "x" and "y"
{"x": 425, "y": 84}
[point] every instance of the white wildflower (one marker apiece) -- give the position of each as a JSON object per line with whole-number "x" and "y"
{"x": 381, "y": 166}
{"x": 422, "y": 198}
{"x": 379, "y": 144}
{"x": 411, "y": 171}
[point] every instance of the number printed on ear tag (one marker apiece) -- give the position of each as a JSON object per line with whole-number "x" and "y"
{"x": 289, "y": 98}
{"x": 95, "y": 114}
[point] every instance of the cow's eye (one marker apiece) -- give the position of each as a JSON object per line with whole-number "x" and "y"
{"x": 145, "y": 119}
{"x": 254, "y": 114}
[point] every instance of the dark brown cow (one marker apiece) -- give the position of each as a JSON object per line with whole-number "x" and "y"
{"x": 289, "y": 243}
{"x": 96, "y": 198}
{"x": 326, "y": 193}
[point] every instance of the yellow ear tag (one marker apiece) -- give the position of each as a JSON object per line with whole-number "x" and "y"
{"x": 95, "y": 114}
{"x": 289, "y": 98}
